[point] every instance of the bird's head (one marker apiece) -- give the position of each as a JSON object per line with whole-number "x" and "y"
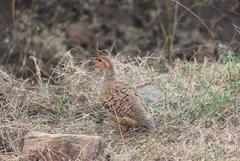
{"x": 103, "y": 63}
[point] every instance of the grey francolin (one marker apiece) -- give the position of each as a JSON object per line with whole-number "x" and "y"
{"x": 125, "y": 105}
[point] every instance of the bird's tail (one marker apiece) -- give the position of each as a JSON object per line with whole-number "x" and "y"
{"x": 145, "y": 119}
{"x": 149, "y": 124}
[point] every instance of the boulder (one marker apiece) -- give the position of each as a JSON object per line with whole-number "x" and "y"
{"x": 60, "y": 147}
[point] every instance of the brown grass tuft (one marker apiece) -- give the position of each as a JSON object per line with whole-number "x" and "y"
{"x": 197, "y": 117}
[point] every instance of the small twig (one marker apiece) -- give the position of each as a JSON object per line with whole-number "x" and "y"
{"x": 14, "y": 14}
{"x": 38, "y": 71}
{"x": 175, "y": 23}
{"x": 143, "y": 84}
{"x": 119, "y": 126}
{"x": 196, "y": 16}
{"x": 237, "y": 28}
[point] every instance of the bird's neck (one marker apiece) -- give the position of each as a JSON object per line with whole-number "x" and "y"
{"x": 109, "y": 74}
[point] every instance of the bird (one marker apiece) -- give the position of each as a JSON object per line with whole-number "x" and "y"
{"x": 126, "y": 107}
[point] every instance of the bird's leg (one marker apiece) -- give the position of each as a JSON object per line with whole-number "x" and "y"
{"x": 128, "y": 121}
{"x": 122, "y": 125}
{"x": 124, "y": 130}
{"x": 125, "y": 123}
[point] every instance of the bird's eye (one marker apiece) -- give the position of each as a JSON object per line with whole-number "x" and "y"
{"x": 99, "y": 60}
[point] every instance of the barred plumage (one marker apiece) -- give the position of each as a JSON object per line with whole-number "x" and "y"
{"x": 124, "y": 103}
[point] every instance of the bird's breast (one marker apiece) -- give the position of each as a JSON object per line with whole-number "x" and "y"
{"x": 117, "y": 100}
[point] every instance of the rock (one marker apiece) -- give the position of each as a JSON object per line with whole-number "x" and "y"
{"x": 117, "y": 15}
{"x": 8, "y": 157}
{"x": 151, "y": 93}
{"x": 80, "y": 34}
{"x": 60, "y": 147}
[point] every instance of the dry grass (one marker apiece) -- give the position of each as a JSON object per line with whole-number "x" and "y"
{"x": 197, "y": 119}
